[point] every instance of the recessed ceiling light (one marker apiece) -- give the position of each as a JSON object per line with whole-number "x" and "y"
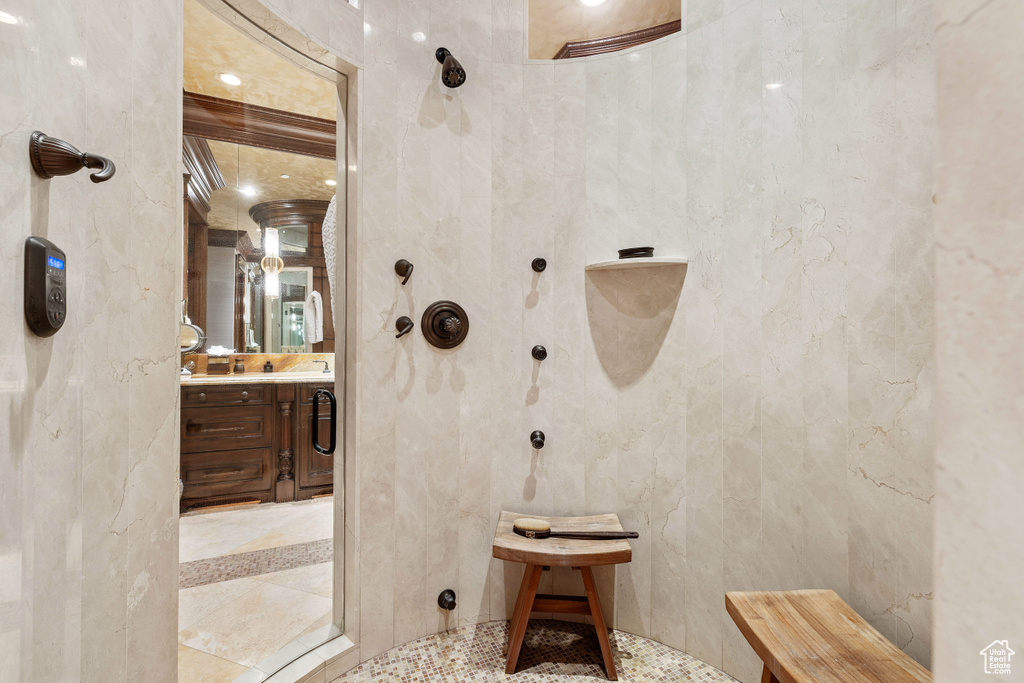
{"x": 248, "y": 191}
{"x": 419, "y": 36}
{"x": 6, "y": 18}
{"x": 592, "y": 3}
{"x": 285, "y": 176}
{"x": 332, "y": 183}
{"x": 230, "y": 79}
{"x": 773, "y": 86}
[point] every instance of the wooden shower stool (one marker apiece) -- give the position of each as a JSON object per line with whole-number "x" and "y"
{"x": 812, "y": 636}
{"x": 540, "y": 554}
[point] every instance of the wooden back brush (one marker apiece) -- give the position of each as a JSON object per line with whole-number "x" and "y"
{"x": 539, "y": 528}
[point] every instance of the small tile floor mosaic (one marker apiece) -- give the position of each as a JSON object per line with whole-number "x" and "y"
{"x": 554, "y": 651}
{"x": 254, "y": 563}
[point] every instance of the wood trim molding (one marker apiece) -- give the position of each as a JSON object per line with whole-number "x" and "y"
{"x": 245, "y": 247}
{"x": 249, "y": 124}
{"x": 287, "y": 211}
{"x": 204, "y": 177}
{"x": 597, "y": 46}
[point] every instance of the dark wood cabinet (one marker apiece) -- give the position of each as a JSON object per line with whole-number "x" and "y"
{"x": 314, "y": 471}
{"x": 228, "y": 473}
{"x": 252, "y": 442}
{"x": 219, "y": 428}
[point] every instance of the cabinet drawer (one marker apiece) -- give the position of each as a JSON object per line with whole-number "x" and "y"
{"x": 249, "y": 394}
{"x": 217, "y": 429}
{"x": 227, "y": 472}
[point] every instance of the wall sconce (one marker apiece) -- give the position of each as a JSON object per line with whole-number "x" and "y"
{"x": 272, "y": 263}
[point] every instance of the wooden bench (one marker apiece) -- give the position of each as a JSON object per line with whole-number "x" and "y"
{"x": 539, "y": 554}
{"x": 812, "y": 636}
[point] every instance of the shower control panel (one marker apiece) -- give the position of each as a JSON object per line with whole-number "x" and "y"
{"x": 45, "y": 286}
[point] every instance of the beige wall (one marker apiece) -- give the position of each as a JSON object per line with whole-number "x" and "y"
{"x": 88, "y": 418}
{"x": 979, "y": 309}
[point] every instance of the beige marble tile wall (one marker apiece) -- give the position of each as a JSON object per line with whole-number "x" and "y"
{"x": 88, "y": 418}
{"x": 764, "y": 422}
{"x": 980, "y": 472}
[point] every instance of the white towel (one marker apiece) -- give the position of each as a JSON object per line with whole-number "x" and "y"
{"x": 327, "y": 235}
{"x": 313, "y": 318}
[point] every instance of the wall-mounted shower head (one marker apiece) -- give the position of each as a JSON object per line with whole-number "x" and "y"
{"x": 452, "y": 73}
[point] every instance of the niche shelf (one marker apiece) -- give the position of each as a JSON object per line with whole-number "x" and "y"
{"x": 652, "y": 262}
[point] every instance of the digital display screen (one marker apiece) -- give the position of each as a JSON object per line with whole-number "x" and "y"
{"x": 54, "y": 263}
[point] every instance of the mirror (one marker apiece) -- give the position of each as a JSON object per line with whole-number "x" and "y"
{"x": 286, "y": 314}
{"x": 192, "y": 338}
{"x": 562, "y": 29}
{"x": 255, "y": 264}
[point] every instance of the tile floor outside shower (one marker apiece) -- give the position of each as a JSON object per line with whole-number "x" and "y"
{"x": 251, "y": 580}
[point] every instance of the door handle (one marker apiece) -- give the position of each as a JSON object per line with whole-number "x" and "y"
{"x": 316, "y": 422}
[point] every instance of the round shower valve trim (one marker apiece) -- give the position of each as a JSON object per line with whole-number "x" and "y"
{"x": 445, "y": 324}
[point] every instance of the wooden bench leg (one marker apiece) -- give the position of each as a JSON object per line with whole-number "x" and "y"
{"x": 767, "y": 676}
{"x": 521, "y": 616}
{"x": 519, "y": 601}
{"x": 599, "y": 625}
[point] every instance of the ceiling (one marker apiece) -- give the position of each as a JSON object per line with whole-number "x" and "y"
{"x": 261, "y": 169}
{"x": 553, "y": 23}
{"x": 213, "y": 46}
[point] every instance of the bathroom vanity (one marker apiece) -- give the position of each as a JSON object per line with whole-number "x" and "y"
{"x": 247, "y": 437}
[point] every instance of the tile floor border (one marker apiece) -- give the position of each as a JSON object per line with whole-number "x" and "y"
{"x": 254, "y": 563}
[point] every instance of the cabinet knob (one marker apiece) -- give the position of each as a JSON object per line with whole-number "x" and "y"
{"x": 245, "y": 395}
{"x": 202, "y": 396}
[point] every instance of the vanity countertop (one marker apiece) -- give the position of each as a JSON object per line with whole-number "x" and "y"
{"x": 315, "y": 377}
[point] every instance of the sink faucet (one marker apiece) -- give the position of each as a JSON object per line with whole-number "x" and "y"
{"x": 327, "y": 368}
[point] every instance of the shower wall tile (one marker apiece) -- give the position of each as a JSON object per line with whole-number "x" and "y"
{"x": 508, "y": 36}
{"x": 152, "y": 481}
{"x": 413, "y": 499}
{"x": 725, "y": 410}
{"x": 703, "y": 579}
{"x": 90, "y": 414}
{"x": 978, "y": 316}
{"x": 475, "y": 254}
{"x": 700, "y": 13}
{"x": 383, "y": 372}
{"x": 824, "y": 230}
{"x": 782, "y": 245}
{"x": 871, "y": 329}
{"x": 915, "y": 326}
{"x": 742, "y": 300}
{"x": 509, "y": 271}
{"x": 668, "y": 438}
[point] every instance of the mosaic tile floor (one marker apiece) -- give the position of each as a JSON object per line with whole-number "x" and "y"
{"x": 554, "y": 651}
